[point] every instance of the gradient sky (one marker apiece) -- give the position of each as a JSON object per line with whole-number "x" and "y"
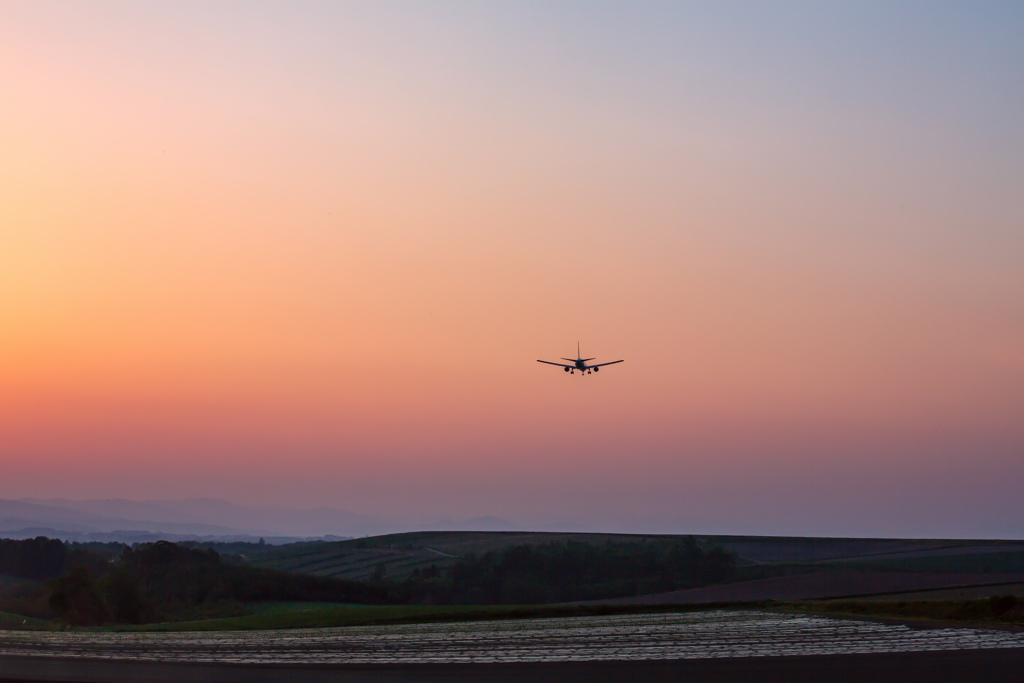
{"x": 307, "y": 254}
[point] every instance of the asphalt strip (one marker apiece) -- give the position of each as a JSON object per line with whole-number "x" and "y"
{"x": 994, "y": 666}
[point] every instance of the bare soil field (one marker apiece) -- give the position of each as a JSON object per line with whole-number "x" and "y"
{"x": 824, "y": 585}
{"x": 962, "y": 593}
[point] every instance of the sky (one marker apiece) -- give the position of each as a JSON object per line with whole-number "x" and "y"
{"x": 306, "y": 254}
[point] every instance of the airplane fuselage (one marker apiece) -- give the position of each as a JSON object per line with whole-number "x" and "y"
{"x": 581, "y": 365}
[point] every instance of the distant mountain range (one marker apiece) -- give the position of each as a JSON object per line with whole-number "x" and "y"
{"x": 130, "y": 521}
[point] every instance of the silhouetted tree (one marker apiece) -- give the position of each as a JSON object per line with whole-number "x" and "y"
{"x": 37, "y": 558}
{"x": 75, "y": 599}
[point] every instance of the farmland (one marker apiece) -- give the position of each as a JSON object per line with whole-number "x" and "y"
{"x": 399, "y": 555}
{"x": 431, "y": 576}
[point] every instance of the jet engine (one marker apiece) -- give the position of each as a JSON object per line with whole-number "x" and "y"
{"x": 566, "y": 369}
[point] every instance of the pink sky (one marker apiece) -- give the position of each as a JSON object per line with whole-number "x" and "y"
{"x": 306, "y": 254}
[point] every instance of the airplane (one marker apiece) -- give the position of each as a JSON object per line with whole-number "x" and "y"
{"x": 579, "y": 363}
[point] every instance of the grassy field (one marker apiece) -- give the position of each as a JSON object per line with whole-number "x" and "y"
{"x": 290, "y": 615}
{"x": 1000, "y": 612}
{"x": 8, "y": 620}
{"x": 991, "y": 612}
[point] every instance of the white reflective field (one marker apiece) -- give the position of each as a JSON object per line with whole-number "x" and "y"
{"x": 663, "y": 636}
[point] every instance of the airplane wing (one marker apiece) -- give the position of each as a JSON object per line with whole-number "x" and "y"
{"x": 561, "y": 365}
{"x": 601, "y": 365}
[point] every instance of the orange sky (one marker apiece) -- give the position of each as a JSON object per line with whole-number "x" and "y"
{"x": 308, "y": 255}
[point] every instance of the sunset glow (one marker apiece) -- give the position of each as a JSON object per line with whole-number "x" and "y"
{"x": 307, "y": 254}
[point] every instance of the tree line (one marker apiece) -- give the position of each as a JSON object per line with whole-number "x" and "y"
{"x": 164, "y": 581}
{"x": 574, "y": 571}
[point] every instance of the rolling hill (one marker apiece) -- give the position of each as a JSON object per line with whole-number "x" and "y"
{"x": 396, "y": 556}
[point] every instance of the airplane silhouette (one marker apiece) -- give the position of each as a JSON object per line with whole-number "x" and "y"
{"x": 579, "y": 363}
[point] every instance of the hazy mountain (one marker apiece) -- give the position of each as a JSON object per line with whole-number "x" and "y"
{"x": 178, "y": 520}
{"x": 20, "y": 515}
{"x": 17, "y": 514}
{"x": 236, "y": 518}
{"x": 139, "y": 521}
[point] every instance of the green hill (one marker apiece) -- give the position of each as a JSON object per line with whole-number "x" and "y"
{"x": 399, "y": 555}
